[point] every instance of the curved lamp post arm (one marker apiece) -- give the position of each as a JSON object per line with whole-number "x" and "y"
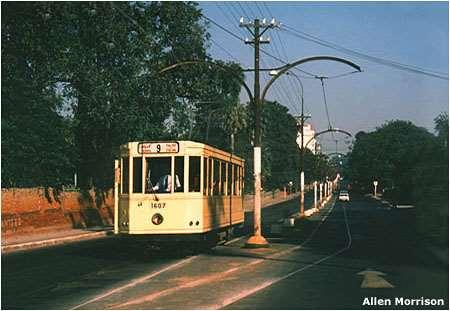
{"x": 225, "y": 68}
{"x": 302, "y": 61}
{"x": 327, "y": 131}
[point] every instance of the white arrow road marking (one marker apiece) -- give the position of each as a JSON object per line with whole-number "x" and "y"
{"x": 373, "y": 279}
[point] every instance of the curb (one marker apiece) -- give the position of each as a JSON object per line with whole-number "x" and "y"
{"x": 54, "y": 241}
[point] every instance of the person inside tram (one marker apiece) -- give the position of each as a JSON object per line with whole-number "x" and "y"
{"x": 164, "y": 183}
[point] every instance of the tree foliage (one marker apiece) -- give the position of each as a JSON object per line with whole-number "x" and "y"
{"x": 80, "y": 78}
{"x": 411, "y": 164}
{"x": 389, "y": 154}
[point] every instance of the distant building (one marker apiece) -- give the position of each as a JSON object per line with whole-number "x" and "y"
{"x": 308, "y": 134}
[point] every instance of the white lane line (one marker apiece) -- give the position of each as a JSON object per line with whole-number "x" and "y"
{"x": 153, "y": 296}
{"x": 197, "y": 282}
{"x": 268, "y": 283}
{"x": 135, "y": 282}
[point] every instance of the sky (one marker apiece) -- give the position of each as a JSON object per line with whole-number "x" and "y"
{"x": 412, "y": 33}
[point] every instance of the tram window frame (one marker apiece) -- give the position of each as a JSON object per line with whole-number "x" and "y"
{"x": 223, "y": 177}
{"x": 125, "y": 175}
{"x": 231, "y": 179}
{"x": 216, "y": 177}
{"x": 211, "y": 177}
{"x": 241, "y": 180}
{"x": 228, "y": 189}
{"x": 150, "y": 166}
{"x": 205, "y": 176}
{"x": 119, "y": 182}
{"x": 239, "y": 183}
{"x": 194, "y": 187}
{"x": 236, "y": 179}
{"x": 137, "y": 175}
{"x": 179, "y": 174}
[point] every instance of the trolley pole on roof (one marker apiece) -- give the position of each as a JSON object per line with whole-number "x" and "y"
{"x": 257, "y": 29}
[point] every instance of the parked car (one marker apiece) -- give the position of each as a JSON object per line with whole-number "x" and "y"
{"x": 343, "y": 196}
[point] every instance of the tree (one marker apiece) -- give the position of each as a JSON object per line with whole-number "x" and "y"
{"x": 36, "y": 150}
{"x": 441, "y": 127}
{"x": 388, "y": 155}
{"x": 90, "y": 70}
{"x": 430, "y": 186}
{"x": 280, "y": 150}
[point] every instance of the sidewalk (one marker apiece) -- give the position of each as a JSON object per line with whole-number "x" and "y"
{"x": 51, "y": 237}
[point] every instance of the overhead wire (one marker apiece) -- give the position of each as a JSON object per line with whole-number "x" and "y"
{"x": 243, "y": 10}
{"x": 230, "y": 20}
{"x": 225, "y": 50}
{"x": 287, "y": 96}
{"x": 223, "y": 28}
{"x": 250, "y": 9}
{"x": 277, "y": 35}
{"x": 326, "y": 106}
{"x": 289, "y": 91}
{"x": 378, "y": 60}
{"x": 232, "y": 11}
{"x": 313, "y": 76}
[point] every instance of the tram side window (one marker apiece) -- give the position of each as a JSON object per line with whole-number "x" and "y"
{"x": 125, "y": 179}
{"x": 223, "y": 177}
{"x": 216, "y": 178}
{"x": 230, "y": 178}
{"x": 137, "y": 175}
{"x": 179, "y": 174}
{"x": 211, "y": 177}
{"x": 157, "y": 177}
{"x": 205, "y": 176}
{"x": 241, "y": 179}
{"x": 236, "y": 180}
{"x": 194, "y": 174}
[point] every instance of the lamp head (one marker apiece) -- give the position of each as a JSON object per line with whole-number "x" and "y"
{"x": 273, "y": 72}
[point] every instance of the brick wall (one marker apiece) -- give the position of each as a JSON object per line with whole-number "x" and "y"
{"x": 25, "y": 210}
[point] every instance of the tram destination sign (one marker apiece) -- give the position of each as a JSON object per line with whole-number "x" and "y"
{"x": 158, "y": 147}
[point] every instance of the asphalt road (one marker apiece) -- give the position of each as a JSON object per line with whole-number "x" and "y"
{"x": 328, "y": 261}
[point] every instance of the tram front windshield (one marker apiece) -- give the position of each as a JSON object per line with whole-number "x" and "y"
{"x": 158, "y": 175}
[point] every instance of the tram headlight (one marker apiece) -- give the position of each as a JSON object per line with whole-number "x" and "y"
{"x": 157, "y": 219}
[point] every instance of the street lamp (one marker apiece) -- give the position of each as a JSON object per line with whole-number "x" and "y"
{"x": 284, "y": 70}
{"x": 301, "y": 127}
{"x": 257, "y": 240}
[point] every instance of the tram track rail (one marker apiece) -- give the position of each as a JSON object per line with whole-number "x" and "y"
{"x": 152, "y": 296}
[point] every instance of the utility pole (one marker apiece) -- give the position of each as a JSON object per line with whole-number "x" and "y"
{"x": 257, "y": 29}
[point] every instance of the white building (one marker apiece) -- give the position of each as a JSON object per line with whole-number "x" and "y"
{"x": 308, "y": 134}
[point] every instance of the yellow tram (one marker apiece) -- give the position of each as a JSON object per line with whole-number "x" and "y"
{"x": 177, "y": 189}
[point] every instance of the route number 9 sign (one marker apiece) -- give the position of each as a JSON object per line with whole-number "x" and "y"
{"x": 148, "y": 148}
